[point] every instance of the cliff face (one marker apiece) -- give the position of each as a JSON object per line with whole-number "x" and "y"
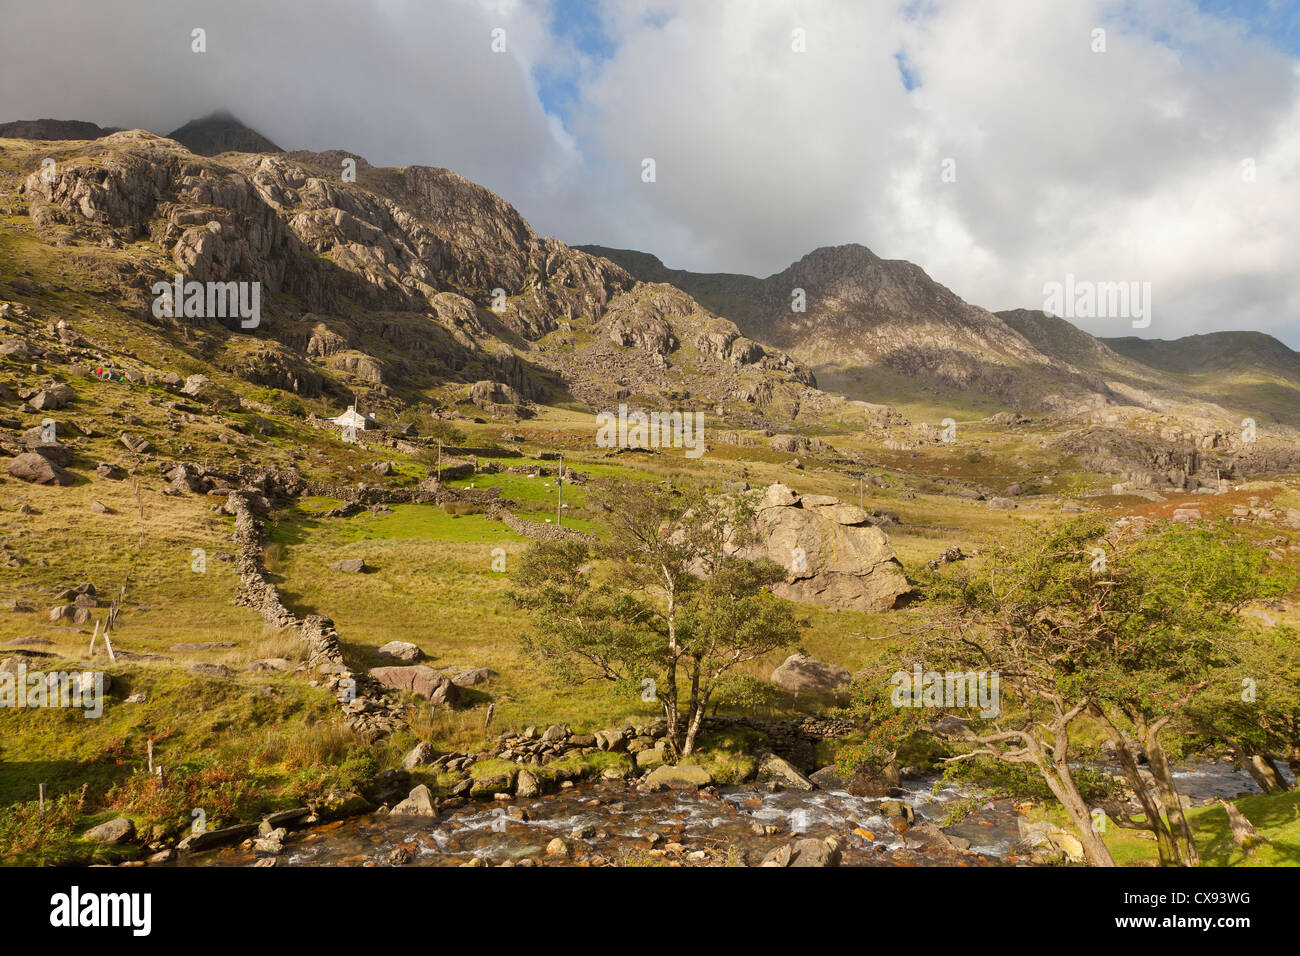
{"x": 876, "y": 328}
{"x": 860, "y": 321}
{"x": 389, "y": 281}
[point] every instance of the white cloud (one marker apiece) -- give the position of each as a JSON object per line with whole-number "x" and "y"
{"x": 1116, "y": 165}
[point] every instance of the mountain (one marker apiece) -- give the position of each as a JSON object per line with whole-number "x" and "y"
{"x": 407, "y": 286}
{"x": 221, "y": 133}
{"x": 882, "y": 329}
{"x": 1214, "y": 352}
{"x": 1237, "y": 374}
{"x": 217, "y": 133}
{"x": 413, "y": 286}
{"x": 52, "y": 129}
{"x": 1136, "y": 383}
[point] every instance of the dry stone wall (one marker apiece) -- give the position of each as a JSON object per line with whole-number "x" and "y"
{"x": 367, "y": 709}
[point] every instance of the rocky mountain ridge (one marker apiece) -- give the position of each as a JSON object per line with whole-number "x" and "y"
{"x": 400, "y": 284}
{"x": 394, "y": 282}
{"x": 867, "y": 322}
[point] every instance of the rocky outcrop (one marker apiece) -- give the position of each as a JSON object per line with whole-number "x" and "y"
{"x": 496, "y": 397}
{"x": 843, "y": 308}
{"x": 452, "y": 284}
{"x": 832, "y": 555}
{"x": 642, "y": 321}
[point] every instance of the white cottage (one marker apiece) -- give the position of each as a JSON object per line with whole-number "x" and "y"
{"x": 354, "y": 419}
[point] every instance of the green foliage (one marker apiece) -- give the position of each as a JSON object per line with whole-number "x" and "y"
{"x": 587, "y": 630}
{"x": 441, "y": 430}
{"x": 31, "y": 835}
{"x": 676, "y": 603}
{"x": 1253, "y": 702}
{"x": 1140, "y": 631}
{"x": 745, "y": 692}
{"x": 998, "y": 778}
{"x": 359, "y": 767}
{"x": 1122, "y": 625}
{"x": 889, "y": 727}
{"x": 281, "y": 400}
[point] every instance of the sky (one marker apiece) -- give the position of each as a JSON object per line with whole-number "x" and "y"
{"x": 1002, "y": 145}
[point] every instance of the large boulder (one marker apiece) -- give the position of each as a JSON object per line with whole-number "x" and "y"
{"x": 39, "y": 470}
{"x": 527, "y": 785}
{"x": 473, "y": 677}
{"x": 419, "y": 755}
{"x": 1046, "y": 842}
{"x": 337, "y": 804}
{"x": 119, "y": 830}
{"x": 832, "y": 556}
{"x": 490, "y": 785}
{"x": 801, "y": 674}
{"x": 419, "y": 803}
{"x": 203, "y": 389}
{"x": 52, "y": 399}
{"x": 783, "y": 774}
{"x": 70, "y": 612}
{"x": 857, "y": 783}
{"x": 680, "y": 777}
{"x": 135, "y": 443}
{"x": 432, "y": 685}
{"x": 400, "y": 651}
{"x": 807, "y": 852}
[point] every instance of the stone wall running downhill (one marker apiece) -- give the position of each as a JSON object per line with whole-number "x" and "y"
{"x": 369, "y": 711}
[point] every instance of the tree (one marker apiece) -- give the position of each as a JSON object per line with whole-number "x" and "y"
{"x": 1124, "y": 627}
{"x": 873, "y": 704}
{"x": 1253, "y": 705}
{"x": 677, "y": 602}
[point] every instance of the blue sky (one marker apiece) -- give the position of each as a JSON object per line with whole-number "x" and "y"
{"x": 1278, "y": 20}
{"x": 580, "y": 24}
{"x": 583, "y": 24}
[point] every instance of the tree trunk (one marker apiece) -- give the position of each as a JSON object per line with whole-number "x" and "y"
{"x": 670, "y": 680}
{"x": 694, "y": 710}
{"x": 1067, "y": 792}
{"x": 1160, "y": 769}
{"x": 1165, "y": 845}
{"x": 1247, "y": 763}
{"x": 1243, "y": 831}
{"x": 1273, "y": 772}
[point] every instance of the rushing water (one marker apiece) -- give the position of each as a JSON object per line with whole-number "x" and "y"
{"x": 613, "y": 823}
